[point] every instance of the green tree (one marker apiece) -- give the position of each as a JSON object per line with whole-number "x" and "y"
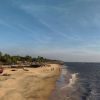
{"x": 1, "y": 55}
{"x": 28, "y": 58}
{"x": 40, "y": 59}
{"x": 14, "y": 59}
{"x": 6, "y": 59}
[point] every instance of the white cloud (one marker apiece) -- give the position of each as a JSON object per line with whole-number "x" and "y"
{"x": 9, "y": 25}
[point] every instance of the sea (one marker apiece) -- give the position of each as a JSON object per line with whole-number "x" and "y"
{"x": 78, "y": 81}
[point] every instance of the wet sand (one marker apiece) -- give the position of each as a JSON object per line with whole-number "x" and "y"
{"x": 66, "y": 87}
{"x": 32, "y": 84}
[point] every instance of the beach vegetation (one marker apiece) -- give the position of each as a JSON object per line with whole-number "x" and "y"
{"x": 7, "y": 59}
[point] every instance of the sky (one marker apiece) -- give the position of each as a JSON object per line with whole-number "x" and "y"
{"x": 66, "y": 30}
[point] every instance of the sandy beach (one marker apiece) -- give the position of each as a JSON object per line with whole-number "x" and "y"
{"x": 30, "y": 84}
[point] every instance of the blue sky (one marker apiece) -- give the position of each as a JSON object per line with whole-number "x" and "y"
{"x": 60, "y": 29}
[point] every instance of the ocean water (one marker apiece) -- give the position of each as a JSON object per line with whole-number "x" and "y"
{"x": 78, "y": 81}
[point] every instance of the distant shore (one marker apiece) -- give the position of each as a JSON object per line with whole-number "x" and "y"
{"x": 29, "y": 83}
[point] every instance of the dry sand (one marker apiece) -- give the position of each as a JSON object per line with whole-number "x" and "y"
{"x": 34, "y": 84}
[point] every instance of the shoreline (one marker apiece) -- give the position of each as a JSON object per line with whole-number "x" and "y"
{"x": 65, "y": 85}
{"x": 32, "y": 84}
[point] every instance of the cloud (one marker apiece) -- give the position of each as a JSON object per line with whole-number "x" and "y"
{"x": 73, "y": 28}
{"x": 4, "y": 23}
{"x": 34, "y": 9}
{"x": 25, "y": 28}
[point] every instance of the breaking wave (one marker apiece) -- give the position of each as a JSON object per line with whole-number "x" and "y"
{"x": 65, "y": 86}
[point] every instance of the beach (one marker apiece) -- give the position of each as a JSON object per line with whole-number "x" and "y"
{"x": 30, "y": 83}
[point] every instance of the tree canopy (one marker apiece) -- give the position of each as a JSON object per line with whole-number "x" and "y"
{"x": 8, "y": 59}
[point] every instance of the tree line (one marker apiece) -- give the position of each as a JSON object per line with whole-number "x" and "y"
{"x": 8, "y": 59}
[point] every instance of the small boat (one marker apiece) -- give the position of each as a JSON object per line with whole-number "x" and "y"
{"x": 1, "y": 70}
